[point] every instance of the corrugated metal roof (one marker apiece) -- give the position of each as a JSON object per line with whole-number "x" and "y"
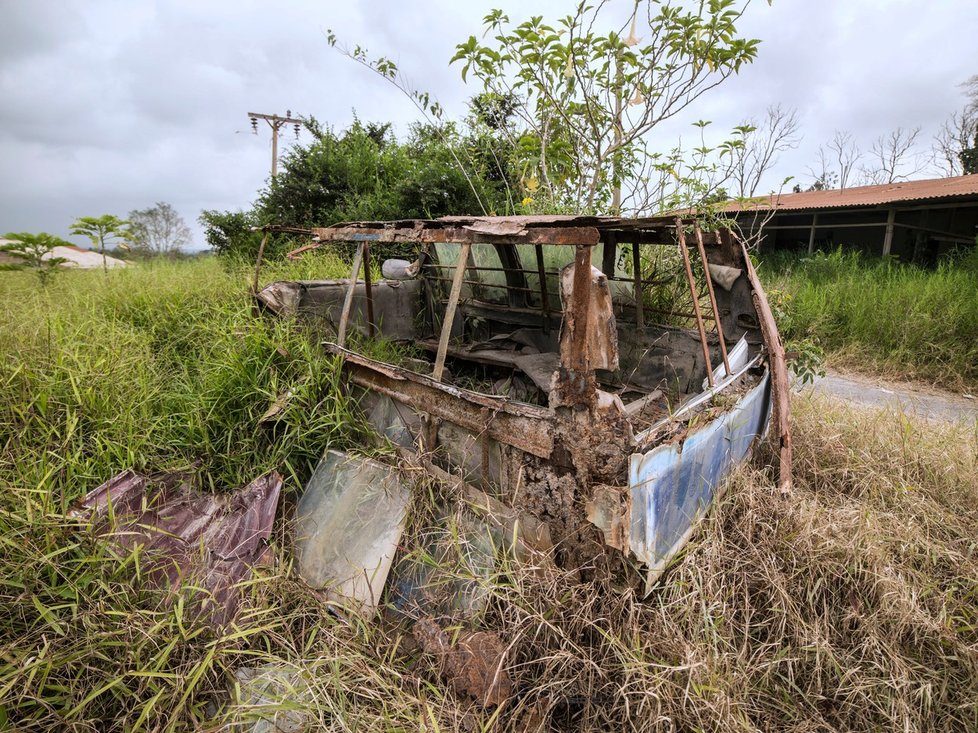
{"x": 889, "y": 193}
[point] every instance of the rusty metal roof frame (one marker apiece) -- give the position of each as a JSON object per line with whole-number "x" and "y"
{"x": 581, "y": 232}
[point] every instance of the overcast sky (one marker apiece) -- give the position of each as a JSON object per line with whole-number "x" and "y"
{"x": 111, "y": 105}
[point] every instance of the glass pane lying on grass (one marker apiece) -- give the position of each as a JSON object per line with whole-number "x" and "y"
{"x": 350, "y": 521}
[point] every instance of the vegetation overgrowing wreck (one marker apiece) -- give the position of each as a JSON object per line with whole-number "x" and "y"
{"x": 587, "y": 380}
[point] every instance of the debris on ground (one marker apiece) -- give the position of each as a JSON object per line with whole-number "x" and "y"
{"x": 473, "y": 665}
{"x": 211, "y": 540}
{"x": 268, "y": 700}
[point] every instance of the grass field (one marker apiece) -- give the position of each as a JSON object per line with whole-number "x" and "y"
{"x": 881, "y": 316}
{"x": 849, "y": 604}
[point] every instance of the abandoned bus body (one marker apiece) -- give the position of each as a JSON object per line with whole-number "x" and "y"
{"x": 550, "y": 378}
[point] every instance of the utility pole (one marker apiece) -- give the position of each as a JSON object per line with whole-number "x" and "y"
{"x": 276, "y": 123}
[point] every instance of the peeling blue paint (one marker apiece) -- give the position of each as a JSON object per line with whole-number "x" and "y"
{"x": 672, "y": 486}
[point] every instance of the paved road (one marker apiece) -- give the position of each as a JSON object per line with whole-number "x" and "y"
{"x": 921, "y": 402}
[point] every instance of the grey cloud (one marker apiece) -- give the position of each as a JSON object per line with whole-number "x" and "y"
{"x": 110, "y": 105}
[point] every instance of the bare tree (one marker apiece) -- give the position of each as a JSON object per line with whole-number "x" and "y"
{"x": 761, "y": 145}
{"x": 893, "y": 157}
{"x": 823, "y": 172}
{"x": 158, "y": 230}
{"x": 846, "y": 154}
{"x": 955, "y": 147}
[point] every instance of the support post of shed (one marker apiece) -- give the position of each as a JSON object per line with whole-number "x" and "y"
{"x": 811, "y": 234}
{"x": 888, "y": 237}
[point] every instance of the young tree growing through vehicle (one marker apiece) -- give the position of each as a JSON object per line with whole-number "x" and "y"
{"x": 585, "y": 86}
{"x": 587, "y": 96}
{"x": 158, "y": 230}
{"x": 35, "y": 253}
{"x": 100, "y": 230}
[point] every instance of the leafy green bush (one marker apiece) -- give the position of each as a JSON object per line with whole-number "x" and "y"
{"x": 363, "y": 174}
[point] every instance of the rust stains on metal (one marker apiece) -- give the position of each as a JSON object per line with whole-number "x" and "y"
{"x": 458, "y": 235}
{"x": 610, "y": 510}
{"x": 213, "y": 541}
{"x": 497, "y": 227}
{"x": 473, "y": 665}
{"x": 780, "y": 386}
{"x": 507, "y": 421}
{"x": 589, "y": 337}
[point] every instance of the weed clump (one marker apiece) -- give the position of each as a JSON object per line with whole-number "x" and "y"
{"x": 882, "y": 315}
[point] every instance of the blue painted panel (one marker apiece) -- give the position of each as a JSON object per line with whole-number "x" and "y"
{"x": 672, "y": 486}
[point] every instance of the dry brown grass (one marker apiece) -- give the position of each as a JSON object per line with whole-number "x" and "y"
{"x": 850, "y": 603}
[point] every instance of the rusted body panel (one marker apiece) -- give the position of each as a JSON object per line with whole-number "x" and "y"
{"x": 609, "y": 432}
{"x": 673, "y": 485}
{"x": 507, "y": 421}
{"x": 186, "y": 536}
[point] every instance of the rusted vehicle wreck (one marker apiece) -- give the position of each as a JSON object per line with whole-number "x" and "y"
{"x": 547, "y": 378}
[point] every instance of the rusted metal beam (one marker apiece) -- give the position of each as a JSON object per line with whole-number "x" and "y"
{"x": 566, "y": 236}
{"x": 713, "y": 297}
{"x": 368, "y": 290}
{"x": 579, "y": 310}
{"x": 523, "y": 426}
{"x": 348, "y": 300}
{"x": 544, "y": 295}
{"x": 681, "y": 236}
{"x": 449, "y": 319}
{"x": 780, "y": 386}
{"x": 637, "y": 282}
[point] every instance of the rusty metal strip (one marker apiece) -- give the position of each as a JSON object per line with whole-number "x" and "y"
{"x": 368, "y": 290}
{"x": 681, "y": 236}
{"x": 348, "y": 300}
{"x": 713, "y": 297}
{"x": 449, "y": 319}
{"x": 544, "y": 295}
{"x": 637, "y": 281}
{"x": 459, "y": 235}
{"x": 520, "y": 425}
{"x": 780, "y": 386}
{"x": 578, "y": 312}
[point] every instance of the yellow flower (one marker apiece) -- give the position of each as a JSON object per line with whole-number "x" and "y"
{"x": 532, "y": 184}
{"x": 527, "y": 201}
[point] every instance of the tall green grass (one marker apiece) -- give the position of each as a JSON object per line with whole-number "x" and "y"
{"x": 849, "y": 604}
{"x": 164, "y": 366}
{"x": 882, "y": 315}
